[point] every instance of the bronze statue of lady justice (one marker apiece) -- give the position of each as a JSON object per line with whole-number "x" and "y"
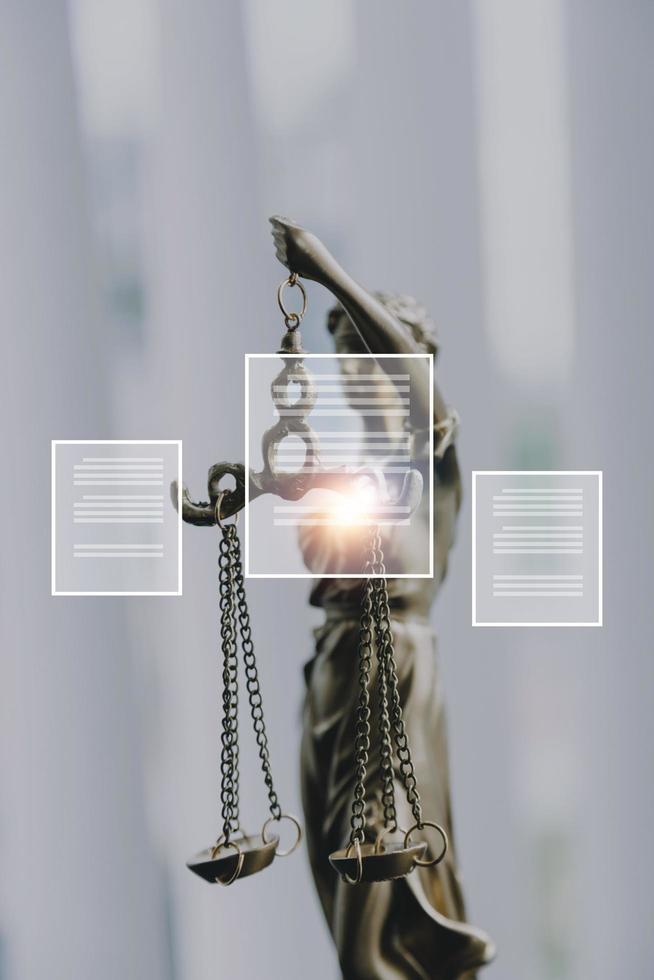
{"x": 414, "y": 926}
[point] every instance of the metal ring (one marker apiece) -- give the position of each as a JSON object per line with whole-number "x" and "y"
{"x": 293, "y": 820}
{"x": 436, "y": 826}
{"x": 218, "y": 506}
{"x": 292, "y": 322}
{"x": 288, "y": 314}
{"x": 382, "y": 833}
{"x": 218, "y": 846}
{"x": 357, "y": 846}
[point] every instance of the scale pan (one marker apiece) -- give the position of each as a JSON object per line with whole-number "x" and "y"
{"x": 384, "y": 864}
{"x": 252, "y": 853}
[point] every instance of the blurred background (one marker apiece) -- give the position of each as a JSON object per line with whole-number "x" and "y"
{"x": 492, "y": 157}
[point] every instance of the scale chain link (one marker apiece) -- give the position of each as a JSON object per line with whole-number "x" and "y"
{"x": 362, "y": 740}
{"x": 376, "y": 616}
{"x": 383, "y": 625}
{"x": 229, "y": 788}
{"x": 385, "y": 734}
{"x": 252, "y": 678}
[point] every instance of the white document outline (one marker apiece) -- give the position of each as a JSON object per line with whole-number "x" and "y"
{"x": 600, "y": 584}
{"x": 115, "y": 442}
{"x": 248, "y": 573}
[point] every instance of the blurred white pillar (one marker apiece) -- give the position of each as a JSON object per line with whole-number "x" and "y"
{"x": 211, "y": 299}
{"x": 612, "y": 72}
{"x": 526, "y": 216}
{"x": 527, "y": 274}
{"x": 80, "y": 891}
{"x": 415, "y": 229}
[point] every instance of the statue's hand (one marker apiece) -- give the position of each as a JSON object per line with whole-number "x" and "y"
{"x": 300, "y": 251}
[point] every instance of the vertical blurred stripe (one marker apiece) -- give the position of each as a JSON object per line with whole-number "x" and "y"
{"x": 525, "y": 182}
{"x": 79, "y": 889}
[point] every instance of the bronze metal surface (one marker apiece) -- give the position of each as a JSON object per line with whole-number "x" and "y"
{"x": 413, "y": 925}
{"x": 257, "y": 855}
{"x": 393, "y": 861}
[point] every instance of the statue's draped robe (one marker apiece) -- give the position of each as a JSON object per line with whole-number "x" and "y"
{"x": 413, "y": 927}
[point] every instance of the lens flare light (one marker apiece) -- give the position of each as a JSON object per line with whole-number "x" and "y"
{"x": 357, "y": 506}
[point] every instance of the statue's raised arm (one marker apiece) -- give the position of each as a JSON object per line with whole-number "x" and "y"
{"x": 377, "y": 324}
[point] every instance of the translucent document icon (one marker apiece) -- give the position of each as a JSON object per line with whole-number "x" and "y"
{"x": 115, "y": 530}
{"x": 337, "y": 445}
{"x": 537, "y": 548}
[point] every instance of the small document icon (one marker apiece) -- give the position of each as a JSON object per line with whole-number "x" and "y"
{"x": 115, "y": 530}
{"x": 537, "y": 548}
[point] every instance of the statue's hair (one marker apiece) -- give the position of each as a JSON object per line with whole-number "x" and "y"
{"x": 407, "y": 310}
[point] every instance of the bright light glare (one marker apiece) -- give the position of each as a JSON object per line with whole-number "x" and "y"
{"x": 356, "y": 505}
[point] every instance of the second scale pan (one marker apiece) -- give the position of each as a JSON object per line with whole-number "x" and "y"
{"x": 370, "y": 863}
{"x": 243, "y": 856}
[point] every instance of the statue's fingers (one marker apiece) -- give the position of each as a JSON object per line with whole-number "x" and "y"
{"x": 281, "y": 255}
{"x": 280, "y": 250}
{"x": 279, "y": 221}
{"x": 278, "y": 233}
{"x": 279, "y": 224}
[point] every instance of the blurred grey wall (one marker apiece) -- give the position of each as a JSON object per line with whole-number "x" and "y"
{"x": 80, "y": 891}
{"x": 493, "y": 157}
{"x": 611, "y": 408}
